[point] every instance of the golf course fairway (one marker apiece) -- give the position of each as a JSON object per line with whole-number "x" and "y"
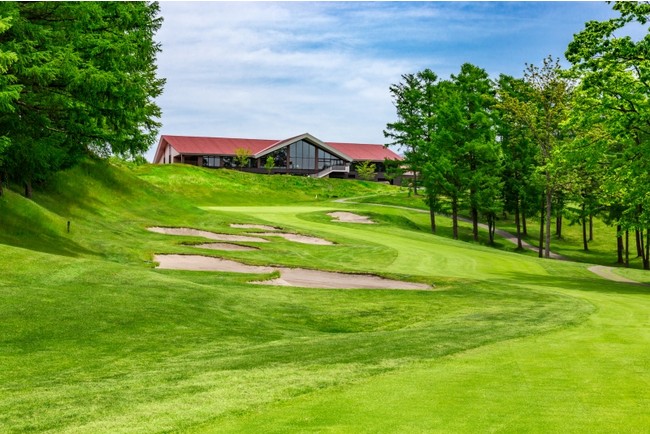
{"x": 95, "y": 339}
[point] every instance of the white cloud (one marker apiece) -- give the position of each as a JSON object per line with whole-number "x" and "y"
{"x": 273, "y": 70}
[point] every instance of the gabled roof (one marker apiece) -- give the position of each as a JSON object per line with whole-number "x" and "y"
{"x": 190, "y": 145}
{"x": 309, "y": 138}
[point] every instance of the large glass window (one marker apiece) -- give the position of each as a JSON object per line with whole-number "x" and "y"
{"x": 302, "y": 155}
{"x": 210, "y": 161}
{"x": 279, "y": 158}
{"x": 325, "y": 159}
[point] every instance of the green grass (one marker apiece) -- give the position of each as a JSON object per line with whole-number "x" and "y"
{"x": 602, "y": 249}
{"x": 94, "y": 339}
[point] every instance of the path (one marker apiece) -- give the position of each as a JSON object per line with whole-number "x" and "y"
{"x": 599, "y": 270}
{"x": 607, "y": 273}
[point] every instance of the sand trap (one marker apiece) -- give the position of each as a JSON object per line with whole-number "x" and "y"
{"x": 224, "y": 246}
{"x": 261, "y": 227}
{"x": 304, "y": 239}
{"x": 206, "y": 234}
{"x": 288, "y": 276}
{"x": 348, "y": 217}
{"x": 207, "y": 263}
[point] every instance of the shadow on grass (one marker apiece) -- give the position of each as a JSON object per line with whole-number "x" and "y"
{"x": 578, "y": 283}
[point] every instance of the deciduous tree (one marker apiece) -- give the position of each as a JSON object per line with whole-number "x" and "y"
{"x": 543, "y": 112}
{"x": 366, "y": 170}
{"x": 614, "y": 74}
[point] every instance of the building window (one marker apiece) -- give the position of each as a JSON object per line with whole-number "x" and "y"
{"x": 302, "y": 155}
{"x": 279, "y": 158}
{"x": 325, "y": 159}
{"x": 210, "y": 161}
{"x": 228, "y": 162}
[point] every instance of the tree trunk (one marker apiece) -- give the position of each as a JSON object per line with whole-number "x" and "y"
{"x": 454, "y": 217}
{"x": 644, "y": 252}
{"x": 517, "y": 223}
{"x": 541, "y": 231}
{"x": 432, "y": 214}
{"x": 491, "y": 227}
{"x": 591, "y": 227}
{"x": 415, "y": 182}
{"x": 524, "y": 228}
{"x": 627, "y": 248}
{"x": 474, "y": 213}
{"x": 558, "y": 225}
{"x": 28, "y": 189}
{"x": 549, "y": 196}
{"x": 646, "y": 262}
{"x": 639, "y": 243}
{"x": 584, "y": 230}
{"x": 619, "y": 245}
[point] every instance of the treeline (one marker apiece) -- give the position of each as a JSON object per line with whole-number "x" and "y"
{"x": 554, "y": 143}
{"x": 76, "y": 79}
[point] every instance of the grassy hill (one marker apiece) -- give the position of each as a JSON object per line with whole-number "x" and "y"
{"x": 94, "y": 339}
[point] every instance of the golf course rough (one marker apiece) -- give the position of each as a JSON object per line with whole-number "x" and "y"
{"x": 95, "y": 339}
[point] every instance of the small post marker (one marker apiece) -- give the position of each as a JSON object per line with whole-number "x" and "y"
{"x": 68, "y": 226}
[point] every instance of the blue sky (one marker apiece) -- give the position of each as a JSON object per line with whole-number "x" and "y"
{"x": 273, "y": 70}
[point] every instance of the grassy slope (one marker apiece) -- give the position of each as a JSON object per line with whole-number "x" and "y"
{"x": 94, "y": 340}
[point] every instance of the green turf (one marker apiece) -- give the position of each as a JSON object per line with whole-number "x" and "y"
{"x": 94, "y": 339}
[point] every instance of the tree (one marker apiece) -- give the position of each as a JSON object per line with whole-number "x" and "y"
{"x": 462, "y": 158}
{"x": 242, "y": 156}
{"x": 9, "y": 92}
{"x": 445, "y": 168}
{"x": 269, "y": 165}
{"x": 393, "y": 169}
{"x": 407, "y": 132}
{"x": 88, "y": 82}
{"x": 366, "y": 170}
{"x": 614, "y": 74}
{"x": 476, "y": 136}
{"x": 416, "y": 101}
{"x": 543, "y": 110}
{"x": 519, "y": 154}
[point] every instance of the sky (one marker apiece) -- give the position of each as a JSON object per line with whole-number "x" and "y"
{"x": 274, "y": 70}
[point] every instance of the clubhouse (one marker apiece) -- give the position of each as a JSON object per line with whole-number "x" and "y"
{"x": 301, "y": 155}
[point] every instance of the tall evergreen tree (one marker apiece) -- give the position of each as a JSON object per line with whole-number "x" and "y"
{"x": 406, "y": 132}
{"x": 88, "y": 81}
{"x": 476, "y": 136}
{"x": 9, "y": 91}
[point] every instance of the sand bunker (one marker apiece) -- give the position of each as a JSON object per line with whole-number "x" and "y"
{"x": 241, "y": 238}
{"x": 288, "y": 276}
{"x": 304, "y": 239}
{"x": 207, "y": 263}
{"x": 247, "y": 226}
{"x": 348, "y": 217}
{"x": 224, "y": 246}
{"x": 206, "y": 234}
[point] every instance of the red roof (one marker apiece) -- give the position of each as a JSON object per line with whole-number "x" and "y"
{"x": 359, "y": 151}
{"x": 227, "y": 146}
{"x": 215, "y": 145}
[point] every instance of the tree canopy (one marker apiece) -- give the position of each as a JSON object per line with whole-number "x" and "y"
{"x": 564, "y": 143}
{"x": 86, "y": 76}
